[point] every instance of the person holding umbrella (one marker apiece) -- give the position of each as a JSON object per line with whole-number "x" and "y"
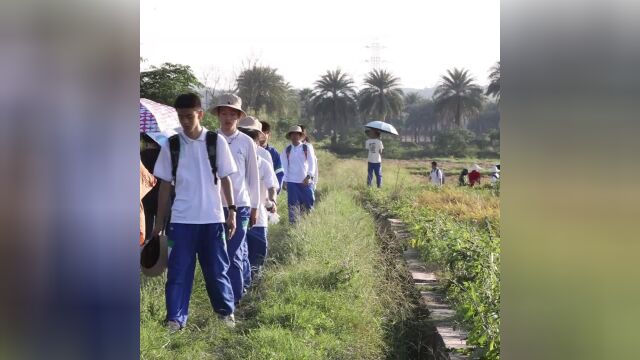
{"x": 374, "y": 166}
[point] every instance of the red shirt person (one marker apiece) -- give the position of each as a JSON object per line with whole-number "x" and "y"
{"x": 474, "y": 175}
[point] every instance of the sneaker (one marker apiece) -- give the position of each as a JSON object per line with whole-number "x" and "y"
{"x": 173, "y": 326}
{"x": 228, "y": 320}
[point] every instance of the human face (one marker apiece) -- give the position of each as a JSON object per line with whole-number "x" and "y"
{"x": 263, "y": 139}
{"x": 295, "y": 137}
{"x": 228, "y": 118}
{"x": 190, "y": 119}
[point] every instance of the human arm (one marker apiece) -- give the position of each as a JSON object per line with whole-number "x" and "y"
{"x": 227, "y": 191}
{"x": 164, "y": 193}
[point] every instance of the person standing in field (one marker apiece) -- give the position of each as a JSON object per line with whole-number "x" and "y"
{"x": 305, "y": 140}
{"x": 298, "y": 160}
{"x": 257, "y": 236}
{"x": 374, "y": 148}
{"x": 246, "y": 188}
{"x": 436, "y": 175}
{"x": 474, "y": 175}
{"x": 275, "y": 155}
{"x": 197, "y": 217}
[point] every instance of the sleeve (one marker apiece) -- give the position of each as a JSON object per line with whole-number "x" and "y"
{"x": 381, "y": 146}
{"x": 224, "y": 161}
{"x": 252, "y": 174}
{"x": 270, "y": 179}
{"x": 285, "y": 166}
{"x": 366, "y": 144}
{"x": 277, "y": 163}
{"x": 162, "y": 168}
{"x": 311, "y": 171}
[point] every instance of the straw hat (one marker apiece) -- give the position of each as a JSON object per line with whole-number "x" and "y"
{"x": 154, "y": 256}
{"x": 475, "y": 167}
{"x": 230, "y": 101}
{"x": 250, "y": 123}
{"x": 293, "y": 129}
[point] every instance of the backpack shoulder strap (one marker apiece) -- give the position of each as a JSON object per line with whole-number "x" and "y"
{"x": 305, "y": 149}
{"x": 287, "y": 151}
{"x": 212, "y": 146}
{"x": 174, "y": 149}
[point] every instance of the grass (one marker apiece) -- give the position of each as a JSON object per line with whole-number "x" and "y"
{"x": 329, "y": 291}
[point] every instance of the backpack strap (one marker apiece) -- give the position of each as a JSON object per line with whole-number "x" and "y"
{"x": 174, "y": 149}
{"x": 212, "y": 146}
{"x": 287, "y": 150}
{"x": 305, "y": 149}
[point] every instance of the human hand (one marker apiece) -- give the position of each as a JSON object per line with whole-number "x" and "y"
{"x": 231, "y": 224}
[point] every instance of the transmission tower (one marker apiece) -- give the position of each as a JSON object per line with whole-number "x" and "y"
{"x": 375, "y": 60}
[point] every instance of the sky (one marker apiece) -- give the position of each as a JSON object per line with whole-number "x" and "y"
{"x": 419, "y": 40}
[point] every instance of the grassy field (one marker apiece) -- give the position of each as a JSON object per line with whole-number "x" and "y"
{"x": 329, "y": 291}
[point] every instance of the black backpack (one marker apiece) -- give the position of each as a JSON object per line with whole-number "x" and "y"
{"x": 212, "y": 142}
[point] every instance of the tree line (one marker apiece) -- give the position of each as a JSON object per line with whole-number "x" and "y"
{"x": 334, "y": 107}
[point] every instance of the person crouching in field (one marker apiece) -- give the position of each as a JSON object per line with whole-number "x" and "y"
{"x": 437, "y": 177}
{"x": 246, "y": 188}
{"x": 462, "y": 179}
{"x": 474, "y": 175}
{"x": 374, "y": 165}
{"x": 197, "y": 217}
{"x": 298, "y": 161}
{"x": 257, "y": 236}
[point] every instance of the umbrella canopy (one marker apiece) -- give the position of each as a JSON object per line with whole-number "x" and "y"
{"x": 382, "y": 126}
{"x": 157, "y": 120}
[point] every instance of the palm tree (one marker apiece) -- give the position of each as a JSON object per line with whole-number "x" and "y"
{"x": 457, "y": 95}
{"x": 334, "y": 100}
{"x": 413, "y": 98}
{"x": 306, "y": 104}
{"x": 381, "y": 97}
{"x": 494, "y": 85}
{"x": 262, "y": 88}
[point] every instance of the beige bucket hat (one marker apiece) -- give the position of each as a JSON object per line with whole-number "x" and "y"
{"x": 231, "y": 101}
{"x": 154, "y": 256}
{"x": 250, "y": 123}
{"x": 475, "y": 167}
{"x": 293, "y": 129}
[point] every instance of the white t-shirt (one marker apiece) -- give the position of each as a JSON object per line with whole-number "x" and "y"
{"x": 268, "y": 180}
{"x": 374, "y": 146}
{"x": 297, "y": 166}
{"x": 436, "y": 177}
{"x": 265, "y": 154}
{"x": 197, "y": 198}
{"x": 246, "y": 184}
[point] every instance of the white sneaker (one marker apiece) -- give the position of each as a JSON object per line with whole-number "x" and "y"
{"x": 173, "y": 326}
{"x": 229, "y": 320}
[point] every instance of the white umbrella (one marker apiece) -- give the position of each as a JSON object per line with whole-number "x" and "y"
{"x": 157, "y": 120}
{"x": 382, "y": 126}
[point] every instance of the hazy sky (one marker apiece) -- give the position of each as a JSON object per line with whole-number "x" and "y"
{"x": 302, "y": 39}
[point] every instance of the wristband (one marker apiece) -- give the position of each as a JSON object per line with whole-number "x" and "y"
{"x": 232, "y": 207}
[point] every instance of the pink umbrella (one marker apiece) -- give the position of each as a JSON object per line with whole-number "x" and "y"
{"x": 157, "y": 120}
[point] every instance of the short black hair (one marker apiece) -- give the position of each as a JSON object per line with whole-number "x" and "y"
{"x": 434, "y": 163}
{"x": 266, "y": 127}
{"x": 187, "y": 101}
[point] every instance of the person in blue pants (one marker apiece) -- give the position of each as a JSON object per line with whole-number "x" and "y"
{"x": 197, "y": 225}
{"x": 298, "y": 161}
{"x": 374, "y": 148}
{"x": 275, "y": 155}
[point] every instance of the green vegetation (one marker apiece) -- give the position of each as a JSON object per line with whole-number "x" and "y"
{"x": 456, "y": 228}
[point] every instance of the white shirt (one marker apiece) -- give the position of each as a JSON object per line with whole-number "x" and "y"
{"x": 436, "y": 177}
{"x": 495, "y": 177}
{"x": 246, "y": 183}
{"x": 197, "y": 199}
{"x": 265, "y": 154}
{"x": 375, "y": 147}
{"x": 297, "y": 167}
{"x": 268, "y": 180}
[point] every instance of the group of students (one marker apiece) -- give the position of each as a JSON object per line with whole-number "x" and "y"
{"x": 474, "y": 175}
{"x": 220, "y": 189}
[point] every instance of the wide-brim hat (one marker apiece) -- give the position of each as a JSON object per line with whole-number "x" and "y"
{"x": 293, "y": 129}
{"x": 230, "y": 101}
{"x": 154, "y": 256}
{"x": 250, "y": 123}
{"x": 475, "y": 167}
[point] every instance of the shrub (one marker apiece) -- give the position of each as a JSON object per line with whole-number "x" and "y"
{"x": 453, "y": 142}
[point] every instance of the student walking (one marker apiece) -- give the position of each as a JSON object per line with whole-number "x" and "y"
{"x": 197, "y": 217}
{"x": 298, "y": 161}
{"x": 275, "y": 155}
{"x": 436, "y": 175}
{"x": 246, "y": 188}
{"x": 257, "y": 236}
{"x": 374, "y": 147}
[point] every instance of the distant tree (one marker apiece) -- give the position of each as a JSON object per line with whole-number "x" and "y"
{"x": 381, "y": 96}
{"x": 412, "y": 99}
{"x": 457, "y": 96}
{"x": 163, "y": 84}
{"x": 494, "y": 82}
{"x": 422, "y": 120}
{"x": 263, "y": 89}
{"x": 306, "y": 104}
{"x": 334, "y": 101}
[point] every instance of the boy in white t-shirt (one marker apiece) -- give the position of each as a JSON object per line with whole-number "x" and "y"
{"x": 374, "y": 147}
{"x": 437, "y": 178}
{"x": 299, "y": 161}
{"x": 197, "y": 217}
{"x": 257, "y": 236}
{"x": 246, "y": 188}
